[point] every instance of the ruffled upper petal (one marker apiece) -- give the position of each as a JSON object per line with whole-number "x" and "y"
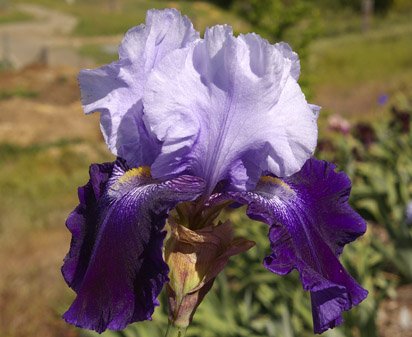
{"x": 116, "y": 90}
{"x": 311, "y": 221}
{"x": 115, "y": 262}
{"x": 228, "y": 108}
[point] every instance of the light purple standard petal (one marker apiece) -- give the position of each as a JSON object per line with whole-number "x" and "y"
{"x": 311, "y": 221}
{"x": 116, "y": 90}
{"x": 115, "y": 262}
{"x": 228, "y": 108}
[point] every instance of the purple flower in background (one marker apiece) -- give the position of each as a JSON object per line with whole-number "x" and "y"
{"x": 383, "y": 99}
{"x": 339, "y": 124}
{"x": 198, "y": 124}
{"x": 408, "y": 213}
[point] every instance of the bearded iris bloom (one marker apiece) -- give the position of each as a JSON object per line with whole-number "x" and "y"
{"x": 198, "y": 124}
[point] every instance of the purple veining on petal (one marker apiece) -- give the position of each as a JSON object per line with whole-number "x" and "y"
{"x": 81, "y": 224}
{"x": 310, "y": 222}
{"x": 229, "y": 108}
{"x": 116, "y": 90}
{"x": 115, "y": 262}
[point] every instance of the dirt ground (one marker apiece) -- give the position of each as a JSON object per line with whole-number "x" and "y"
{"x": 53, "y": 111}
{"x": 31, "y": 285}
{"x": 395, "y": 315}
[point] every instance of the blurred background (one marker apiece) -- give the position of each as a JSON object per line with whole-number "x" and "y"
{"x": 356, "y": 60}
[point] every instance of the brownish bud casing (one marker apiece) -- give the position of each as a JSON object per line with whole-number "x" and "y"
{"x": 195, "y": 258}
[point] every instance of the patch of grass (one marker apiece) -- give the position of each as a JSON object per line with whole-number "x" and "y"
{"x": 9, "y": 151}
{"x": 18, "y": 92}
{"x": 98, "y": 18}
{"x": 99, "y": 53}
{"x": 39, "y": 182}
{"x": 356, "y": 58}
{"x": 337, "y": 22}
{"x": 105, "y": 23}
{"x": 8, "y": 16}
{"x": 133, "y": 13}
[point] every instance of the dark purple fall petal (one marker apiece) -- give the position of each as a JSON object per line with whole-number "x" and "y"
{"x": 115, "y": 262}
{"x": 310, "y": 222}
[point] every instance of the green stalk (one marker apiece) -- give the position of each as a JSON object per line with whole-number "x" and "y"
{"x": 174, "y": 331}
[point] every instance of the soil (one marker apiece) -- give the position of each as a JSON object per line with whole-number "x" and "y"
{"x": 31, "y": 286}
{"x": 395, "y": 315}
{"x": 52, "y": 113}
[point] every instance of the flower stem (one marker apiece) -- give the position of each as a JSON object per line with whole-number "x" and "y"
{"x": 175, "y": 331}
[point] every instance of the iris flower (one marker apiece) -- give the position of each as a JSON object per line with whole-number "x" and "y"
{"x": 198, "y": 124}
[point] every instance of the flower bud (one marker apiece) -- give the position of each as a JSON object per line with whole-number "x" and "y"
{"x": 195, "y": 258}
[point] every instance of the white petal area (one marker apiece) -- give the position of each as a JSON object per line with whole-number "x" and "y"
{"x": 110, "y": 91}
{"x": 116, "y": 90}
{"x": 287, "y": 52}
{"x": 226, "y": 104}
{"x": 165, "y": 30}
{"x": 297, "y": 139}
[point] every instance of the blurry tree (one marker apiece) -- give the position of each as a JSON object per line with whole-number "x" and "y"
{"x": 378, "y": 6}
{"x": 273, "y": 17}
{"x": 402, "y": 5}
{"x": 222, "y": 3}
{"x": 367, "y": 13}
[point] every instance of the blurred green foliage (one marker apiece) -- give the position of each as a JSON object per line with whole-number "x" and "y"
{"x": 98, "y": 53}
{"x": 353, "y": 59}
{"x": 11, "y": 15}
{"x": 17, "y": 92}
{"x": 8, "y": 14}
{"x": 380, "y": 6}
{"x": 41, "y": 179}
{"x": 295, "y": 21}
{"x": 379, "y": 158}
{"x": 110, "y": 17}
